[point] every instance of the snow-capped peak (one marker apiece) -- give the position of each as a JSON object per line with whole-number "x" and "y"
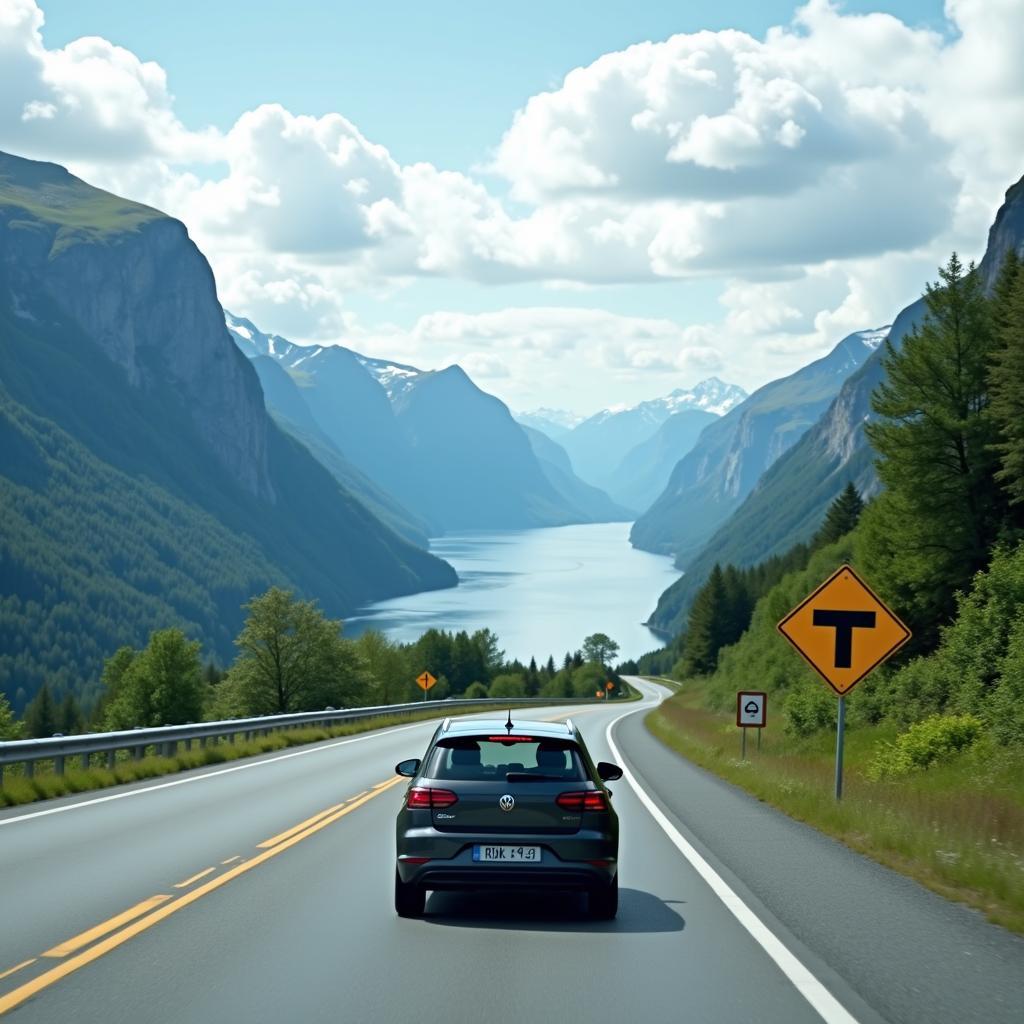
{"x": 875, "y": 337}
{"x": 394, "y": 378}
{"x": 711, "y": 395}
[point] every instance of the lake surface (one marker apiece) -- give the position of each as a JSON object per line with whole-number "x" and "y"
{"x": 541, "y": 591}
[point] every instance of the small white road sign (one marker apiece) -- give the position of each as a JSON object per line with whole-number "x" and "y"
{"x": 752, "y": 708}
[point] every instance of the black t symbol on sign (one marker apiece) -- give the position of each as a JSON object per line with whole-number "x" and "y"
{"x": 844, "y": 623}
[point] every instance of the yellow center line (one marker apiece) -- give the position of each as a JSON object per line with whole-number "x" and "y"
{"x": 231, "y": 860}
{"x": 194, "y": 878}
{"x": 62, "y": 970}
{"x": 107, "y": 926}
{"x": 274, "y": 840}
{"x": 11, "y": 970}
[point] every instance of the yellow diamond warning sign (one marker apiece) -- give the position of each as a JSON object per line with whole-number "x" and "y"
{"x": 425, "y": 681}
{"x": 843, "y": 630}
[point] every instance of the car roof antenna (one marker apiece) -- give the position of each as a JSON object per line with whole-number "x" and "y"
{"x": 508, "y": 724}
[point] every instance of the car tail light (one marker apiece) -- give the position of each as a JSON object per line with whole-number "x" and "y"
{"x": 584, "y": 800}
{"x": 421, "y": 797}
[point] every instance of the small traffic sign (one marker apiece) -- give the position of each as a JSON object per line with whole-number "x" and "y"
{"x": 752, "y": 708}
{"x": 425, "y": 681}
{"x": 843, "y": 630}
{"x": 599, "y": 693}
{"x": 609, "y": 685}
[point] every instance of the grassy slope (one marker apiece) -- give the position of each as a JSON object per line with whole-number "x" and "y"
{"x": 958, "y": 828}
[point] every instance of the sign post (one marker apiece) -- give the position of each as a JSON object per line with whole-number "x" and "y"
{"x": 843, "y": 631}
{"x": 425, "y": 681}
{"x": 751, "y": 713}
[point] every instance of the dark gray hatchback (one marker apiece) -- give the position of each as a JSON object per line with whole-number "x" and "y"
{"x": 499, "y": 805}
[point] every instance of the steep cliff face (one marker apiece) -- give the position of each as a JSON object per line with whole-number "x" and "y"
{"x": 134, "y": 282}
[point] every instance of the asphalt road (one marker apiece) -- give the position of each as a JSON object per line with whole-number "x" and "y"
{"x": 197, "y": 899}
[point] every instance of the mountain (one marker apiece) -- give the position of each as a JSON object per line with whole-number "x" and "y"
{"x": 143, "y": 482}
{"x": 555, "y": 423}
{"x": 289, "y": 410}
{"x": 789, "y": 503}
{"x": 599, "y": 444}
{"x": 591, "y": 502}
{"x": 645, "y": 471}
{"x": 443, "y": 449}
{"x": 709, "y": 483}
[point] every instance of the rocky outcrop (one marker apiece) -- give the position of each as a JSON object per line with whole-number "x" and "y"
{"x": 132, "y": 279}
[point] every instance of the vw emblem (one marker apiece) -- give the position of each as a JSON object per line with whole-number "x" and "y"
{"x": 507, "y": 802}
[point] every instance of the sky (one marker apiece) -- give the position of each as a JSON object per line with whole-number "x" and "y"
{"x": 583, "y": 204}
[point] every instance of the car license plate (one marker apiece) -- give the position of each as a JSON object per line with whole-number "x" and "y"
{"x": 508, "y": 854}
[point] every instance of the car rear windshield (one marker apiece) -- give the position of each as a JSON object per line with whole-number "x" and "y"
{"x": 480, "y": 758}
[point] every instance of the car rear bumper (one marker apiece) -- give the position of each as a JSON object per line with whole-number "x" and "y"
{"x": 580, "y": 861}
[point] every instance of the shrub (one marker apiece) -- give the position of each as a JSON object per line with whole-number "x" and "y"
{"x": 808, "y": 709}
{"x": 475, "y": 691}
{"x": 934, "y": 740}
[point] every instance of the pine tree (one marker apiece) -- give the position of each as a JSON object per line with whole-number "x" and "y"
{"x": 706, "y": 626}
{"x": 931, "y": 529}
{"x": 1006, "y": 377}
{"x": 69, "y": 715}
{"x": 9, "y": 728}
{"x": 41, "y": 715}
{"x": 842, "y": 516}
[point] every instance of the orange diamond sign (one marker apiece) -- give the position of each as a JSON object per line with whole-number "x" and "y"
{"x": 425, "y": 681}
{"x": 843, "y": 630}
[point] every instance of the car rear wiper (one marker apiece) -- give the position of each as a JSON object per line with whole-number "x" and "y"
{"x": 531, "y": 777}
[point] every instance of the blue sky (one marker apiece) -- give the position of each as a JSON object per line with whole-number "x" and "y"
{"x": 435, "y": 81}
{"x": 512, "y": 187}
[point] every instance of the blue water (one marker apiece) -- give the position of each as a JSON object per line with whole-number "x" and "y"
{"x": 541, "y": 591}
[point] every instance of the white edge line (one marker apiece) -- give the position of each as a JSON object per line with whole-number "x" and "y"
{"x": 370, "y": 734}
{"x": 824, "y": 1003}
{"x": 312, "y": 749}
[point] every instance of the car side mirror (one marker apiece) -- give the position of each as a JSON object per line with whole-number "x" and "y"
{"x": 608, "y": 772}
{"x": 408, "y": 768}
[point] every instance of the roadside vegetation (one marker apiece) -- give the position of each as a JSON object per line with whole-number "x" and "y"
{"x": 935, "y": 738}
{"x": 291, "y": 658}
{"x": 44, "y": 784}
{"x": 955, "y": 823}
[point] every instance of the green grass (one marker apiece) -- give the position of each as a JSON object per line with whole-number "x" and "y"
{"x": 957, "y": 827}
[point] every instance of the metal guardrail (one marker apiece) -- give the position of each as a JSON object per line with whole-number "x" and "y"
{"x": 167, "y": 737}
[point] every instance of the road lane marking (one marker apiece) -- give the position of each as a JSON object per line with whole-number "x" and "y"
{"x": 314, "y": 748}
{"x": 231, "y": 860}
{"x": 311, "y": 749}
{"x": 19, "y": 995}
{"x": 274, "y": 840}
{"x": 194, "y": 878}
{"x": 822, "y": 1001}
{"x": 106, "y": 926}
{"x": 11, "y": 970}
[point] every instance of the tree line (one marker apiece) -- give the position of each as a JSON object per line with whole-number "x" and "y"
{"x": 291, "y": 657}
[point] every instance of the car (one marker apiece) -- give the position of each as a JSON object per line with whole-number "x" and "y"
{"x": 506, "y": 805}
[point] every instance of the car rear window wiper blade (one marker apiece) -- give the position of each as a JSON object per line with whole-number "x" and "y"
{"x": 531, "y": 777}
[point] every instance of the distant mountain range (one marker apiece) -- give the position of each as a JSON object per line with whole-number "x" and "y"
{"x": 442, "y": 452}
{"x": 789, "y": 501}
{"x": 142, "y": 481}
{"x": 732, "y": 453}
{"x": 602, "y": 446}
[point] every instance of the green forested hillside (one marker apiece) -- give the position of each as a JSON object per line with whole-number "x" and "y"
{"x": 142, "y": 483}
{"x": 943, "y": 543}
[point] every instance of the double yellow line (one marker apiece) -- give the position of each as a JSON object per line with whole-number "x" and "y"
{"x": 156, "y": 908}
